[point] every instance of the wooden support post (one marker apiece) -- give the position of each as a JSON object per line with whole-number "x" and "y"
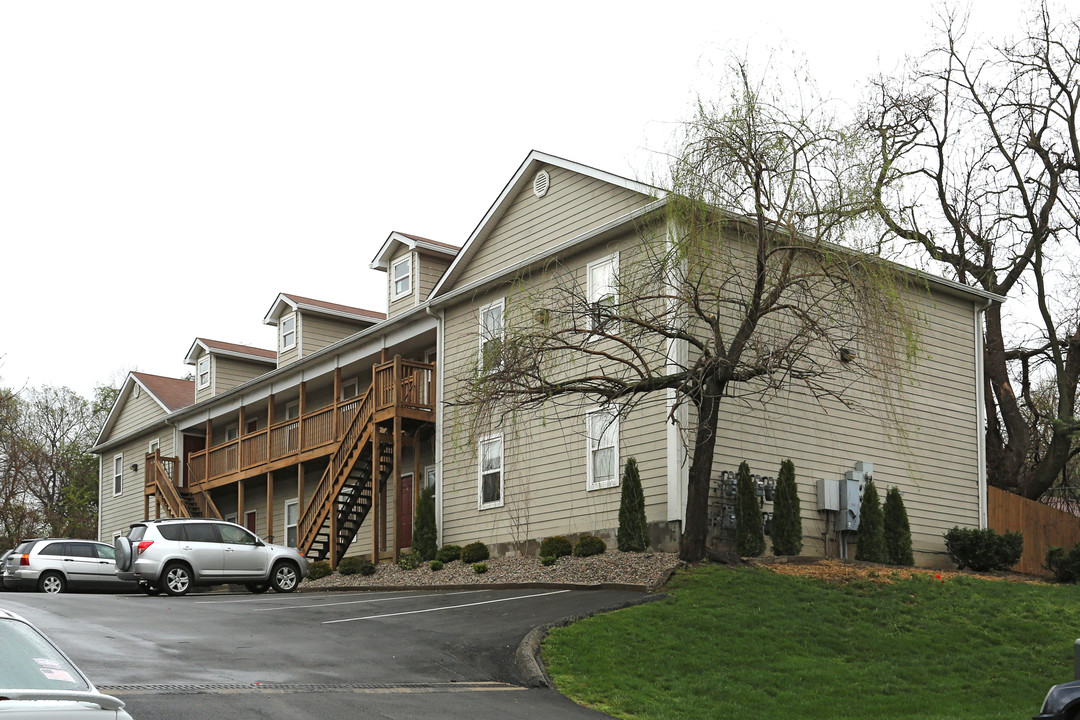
{"x": 303, "y": 409}
{"x": 240, "y": 503}
{"x": 397, "y": 473}
{"x": 415, "y": 478}
{"x": 336, "y": 429}
{"x": 299, "y": 491}
{"x": 270, "y": 507}
{"x": 243, "y": 423}
{"x": 374, "y": 512}
{"x": 146, "y": 506}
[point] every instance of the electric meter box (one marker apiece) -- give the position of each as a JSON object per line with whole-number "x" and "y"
{"x": 850, "y": 504}
{"x": 828, "y": 494}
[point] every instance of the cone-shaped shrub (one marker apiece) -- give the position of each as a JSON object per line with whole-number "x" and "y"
{"x": 633, "y": 535}
{"x": 897, "y": 530}
{"x": 786, "y": 523}
{"x": 749, "y": 532}
{"x": 425, "y": 536}
{"x": 871, "y": 528}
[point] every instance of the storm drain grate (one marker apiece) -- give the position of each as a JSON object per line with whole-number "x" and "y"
{"x": 235, "y": 688}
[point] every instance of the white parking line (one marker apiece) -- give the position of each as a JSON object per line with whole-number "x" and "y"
{"x": 449, "y": 607}
{"x": 361, "y": 602}
{"x": 263, "y": 598}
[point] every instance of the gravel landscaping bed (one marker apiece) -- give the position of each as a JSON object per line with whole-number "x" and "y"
{"x": 649, "y": 570}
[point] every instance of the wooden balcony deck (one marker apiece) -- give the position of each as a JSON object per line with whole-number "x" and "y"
{"x": 400, "y": 388}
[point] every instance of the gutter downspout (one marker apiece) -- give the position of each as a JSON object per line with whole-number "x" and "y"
{"x": 440, "y": 360}
{"x": 980, "y": 411}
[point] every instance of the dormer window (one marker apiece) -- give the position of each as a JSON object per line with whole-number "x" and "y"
{"x": 203, "y": 372}
{"x": 288, "y": 332}
{"x": 401, "y": 278}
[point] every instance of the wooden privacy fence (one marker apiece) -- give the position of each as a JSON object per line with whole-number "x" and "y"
{"x": 1042, "y": 526}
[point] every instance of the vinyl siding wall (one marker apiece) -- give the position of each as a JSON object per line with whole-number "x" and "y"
{"x": 137, "y": 412}
{"x": 319, "y": 332}
{"x": 116, "y": 513}
{"x": 227, "y": 373}
{"x": 573, "y": 204}
{"x": 429, "y": 268}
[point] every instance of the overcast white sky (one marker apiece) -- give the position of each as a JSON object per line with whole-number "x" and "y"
{"x": 167, "y": 168}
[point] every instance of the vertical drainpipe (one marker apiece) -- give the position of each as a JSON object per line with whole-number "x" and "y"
{"x": 980, "y": 409}
{"x": 440, "y": 365}
{"x": 101, "y": 492}
{"x": 677, "y": 470}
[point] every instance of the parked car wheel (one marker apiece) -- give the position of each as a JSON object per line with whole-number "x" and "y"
{"x": 149, "y": 588}
{"x": 124, "y": 555}
{"x": 285, "y": 577}
{"x": 177, "y": 579}
{"x": 257, "y": 588}
{"x": 52, "y": 583}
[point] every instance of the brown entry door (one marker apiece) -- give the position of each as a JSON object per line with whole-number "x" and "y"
{"x": 405, "y": 512}
{"x": 192, "y": 443}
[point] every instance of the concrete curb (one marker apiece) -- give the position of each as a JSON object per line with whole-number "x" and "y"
{"x": 527, "y": 659}
{"x": 480, "y": 586}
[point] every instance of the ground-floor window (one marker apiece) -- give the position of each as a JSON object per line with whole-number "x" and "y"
{"x": 292, "y": 516}
{"x": 491, "y": 472}
{"x": 602, "y": 456}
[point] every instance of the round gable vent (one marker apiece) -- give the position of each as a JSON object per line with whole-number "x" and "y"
{"x": 541, "y": 183}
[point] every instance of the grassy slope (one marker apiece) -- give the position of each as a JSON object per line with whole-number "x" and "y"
{"x": 748, "y": 643}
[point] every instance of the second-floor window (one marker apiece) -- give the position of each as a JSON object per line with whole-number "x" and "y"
{"x": 203, "y": 371}
{"x": 401, "y": 278}
{"x": 288, "y": 332}
{"x": 603, "y": 294}
{"x": 491, "y": 335}
{"x": 118, "y": 474}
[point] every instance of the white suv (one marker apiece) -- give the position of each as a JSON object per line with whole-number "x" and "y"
{"x": 175, "y": 554}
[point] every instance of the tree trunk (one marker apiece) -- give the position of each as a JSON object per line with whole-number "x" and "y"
{"x": 696, "y": 528}
{"x": 1006, "y": 447}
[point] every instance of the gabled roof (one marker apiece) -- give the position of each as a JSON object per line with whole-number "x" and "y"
{"x": 413, "y": 242}
{"x": 288, "y": 303}
{"x": 524, "y": 175}
{"x": 240, "y": 352}
{"x": 171, "y": 394}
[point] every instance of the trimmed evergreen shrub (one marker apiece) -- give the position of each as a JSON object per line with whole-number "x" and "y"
{"x": 556, "y": 547}
{"x": 410, "y": 561}
{"x": 749, "y": 530}
{"x": 984, "y": 550}
{"x": 474, "y": 553}
{"x": 435, "y": 566}
{"x": 548, "y": 560}
{"x": 318, "y": 570}
{"x": 479, "y": 568}
{"x": 448, "y": 553}
{"x": 897, "y": 530}
{"x": 351, "y": 565}
{"x": 425, "y": 536}
{"x": 871, "y": 546}
{"x": 589, "y": 545}
{"x": 367, "y": 568}
{"x": 1065, "y": 564}
{"x": 786, "y": 530}
{"x": 633, "y": 534}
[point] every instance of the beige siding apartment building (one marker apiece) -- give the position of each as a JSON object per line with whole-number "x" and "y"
{"x": 327, "y": 441}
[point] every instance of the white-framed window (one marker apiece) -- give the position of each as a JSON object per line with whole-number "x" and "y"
{"x": 292, "y": 410}
{"x": 490, "y": 490}
{"x": 602, "y": 453}
{"x": 288, "y": 332}
{"x": 292, "y": 518}
{"x": 203, "y": 372}
{"x": 154, "y": 445}
{"x": 231, "y": 517}
{"x": 603, "y": 292}
{"x": 232, "y": 432}
{"x": 118, "y": 474}
{"x": 429, "y": 476}
{"x": 350, "y": 388}
{"x": 492, "y": 331}
{"x": 401, "y": 278}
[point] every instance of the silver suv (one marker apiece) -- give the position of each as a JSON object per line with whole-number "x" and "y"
{"x": 56, "y": 565}
{"x": 175, "y": 554}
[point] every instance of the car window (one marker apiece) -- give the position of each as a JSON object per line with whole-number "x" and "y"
{"x": 80, "y": 550}
{"x": 137, "y": 532}
{"x": 30, "y": 662}
{"x": 56, "y": 548}
{"x": 235, "y": 535}
{"x": 200, "y": 532}
{"x": 25, "y": 547}
{"x": 171, "y": 532}
{"x": 105, "y": 552}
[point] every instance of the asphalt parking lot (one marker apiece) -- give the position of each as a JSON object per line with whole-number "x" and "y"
{"x": 314, "y": 655}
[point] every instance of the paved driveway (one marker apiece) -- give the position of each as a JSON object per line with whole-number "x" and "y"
{"x": 313, "y": 655}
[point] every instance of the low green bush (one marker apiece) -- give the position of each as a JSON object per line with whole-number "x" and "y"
{"x": 480, "y": 568}
{"x": 474, "y": 553}
{"x": 351, "y": 565}
{"x": 556, "y": 546}
{"x": 410, "y": 561}
{"x": 367, "y": 568}
{"x": 589, "y": 545}
{"x": 548, "y": 560}
{"x": 448, "y": 553}
{"x": 435, "y": 566}
{"x": 1065, "y": 564}
{"x": 983, "y": 550}
{"x": 319, "y": 569}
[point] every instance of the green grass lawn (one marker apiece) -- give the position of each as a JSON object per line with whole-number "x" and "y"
{"x": 748, "y": 643}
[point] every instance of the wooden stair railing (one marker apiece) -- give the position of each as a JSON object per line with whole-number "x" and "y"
{"x": 157, "y": 479}
{"x": 317, "y": 511}
{"x": 206, "y": 505}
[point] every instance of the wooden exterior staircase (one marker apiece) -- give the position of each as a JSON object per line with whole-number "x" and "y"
{"x": 176, "y": 501}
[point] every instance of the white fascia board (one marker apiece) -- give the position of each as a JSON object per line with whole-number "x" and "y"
{"x": 271, "y": 317}
{"x": 381, "y": 260}
{"x": 317, "y": 310}
{"x": 121, "y": 399}
{"x": 524, "y": 173}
